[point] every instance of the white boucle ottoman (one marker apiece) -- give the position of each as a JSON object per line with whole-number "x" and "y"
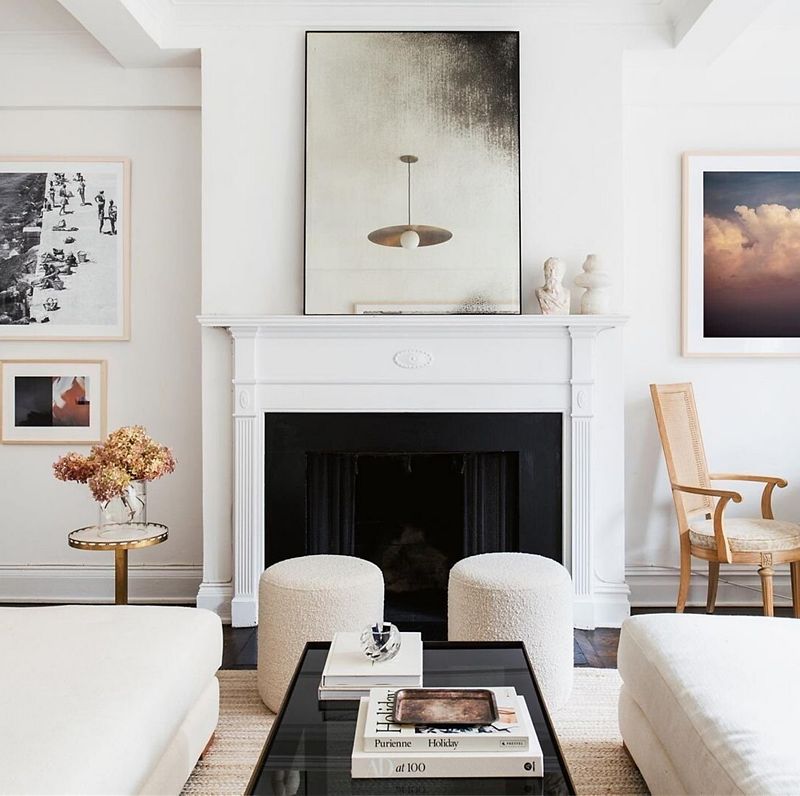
{"x": 517, "y": 597}
{"x": 309, "y": 599}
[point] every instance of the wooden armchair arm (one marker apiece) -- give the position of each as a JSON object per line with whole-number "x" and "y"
{"x": 723, "y": 497}
{"x": 702, "y": 490}
{"x": 781, "y": 482}
{"x": 769, "y": 481}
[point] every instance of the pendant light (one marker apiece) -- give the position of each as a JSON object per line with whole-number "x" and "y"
{"x": 409, "y": 235}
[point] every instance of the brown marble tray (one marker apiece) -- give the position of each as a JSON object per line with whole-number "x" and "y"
{"x": 445, "y": 706}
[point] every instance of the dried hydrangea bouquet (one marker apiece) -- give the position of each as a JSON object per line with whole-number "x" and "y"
{"x": 117, "y": 472}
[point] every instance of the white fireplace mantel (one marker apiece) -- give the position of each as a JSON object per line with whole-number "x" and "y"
{"x": 466, "y": 363}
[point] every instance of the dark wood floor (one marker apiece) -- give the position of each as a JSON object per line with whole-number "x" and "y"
{"x": 595, "y": 648}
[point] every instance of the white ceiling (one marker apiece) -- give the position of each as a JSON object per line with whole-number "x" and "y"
{"x": 36, "y": 16}
{"x": 773, "y": 30}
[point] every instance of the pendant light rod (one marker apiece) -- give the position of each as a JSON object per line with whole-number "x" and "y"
{"x": 409, "y": 194}
{"x": 408, "y": 160}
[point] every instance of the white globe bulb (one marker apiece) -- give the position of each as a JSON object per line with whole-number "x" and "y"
{"x": 409, "y": 239}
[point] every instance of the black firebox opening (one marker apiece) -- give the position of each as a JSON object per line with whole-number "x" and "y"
{"x": 415, "y": 516}
{"x": 414, "y": 493}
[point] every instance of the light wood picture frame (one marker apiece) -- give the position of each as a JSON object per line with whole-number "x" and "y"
{"x": 65, "y": 248}
{"x": 740, "y": 282}
{"x": 53, "y": 402}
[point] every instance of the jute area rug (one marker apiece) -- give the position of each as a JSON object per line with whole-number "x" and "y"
{"x": 587, "y": 729}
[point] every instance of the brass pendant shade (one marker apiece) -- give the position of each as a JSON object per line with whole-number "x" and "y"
{"x": 421, "y": 234}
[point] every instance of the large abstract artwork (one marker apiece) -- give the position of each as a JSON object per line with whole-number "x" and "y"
{"x": 64, "y": 249}
{"x": 741, "y": 254}
{"x": 412, "y": 172}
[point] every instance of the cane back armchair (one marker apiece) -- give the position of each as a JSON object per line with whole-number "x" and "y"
{"x": 705, "y": 531}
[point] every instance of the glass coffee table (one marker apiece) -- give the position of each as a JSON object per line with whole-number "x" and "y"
{"x": 308, "y": 749}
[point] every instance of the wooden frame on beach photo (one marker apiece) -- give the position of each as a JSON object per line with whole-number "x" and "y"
{"x": 64, "y": 248}
{"x": 53, "y": 402}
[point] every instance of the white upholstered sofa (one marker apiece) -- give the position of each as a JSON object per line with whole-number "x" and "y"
{"x": 709, "y": 704}
{"x": 105, "y": 699}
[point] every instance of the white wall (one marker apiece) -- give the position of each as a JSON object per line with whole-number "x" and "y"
{"x": 70, "y": 98}
{"x": 746, "y": 101}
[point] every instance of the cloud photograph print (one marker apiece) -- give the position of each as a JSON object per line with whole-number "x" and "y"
{"x": 751, "y": 251}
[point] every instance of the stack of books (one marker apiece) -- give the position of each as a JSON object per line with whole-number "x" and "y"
{"x": 350, "y": 674}
{"x": 507, "y": 748}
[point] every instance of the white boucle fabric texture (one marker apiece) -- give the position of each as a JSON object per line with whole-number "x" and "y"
{"x": 517, "y": 597}
{"x": 309, "y": 599}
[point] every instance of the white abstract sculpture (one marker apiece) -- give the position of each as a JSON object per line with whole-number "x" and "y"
{"x": 595, "y": 301}
{"x": 553, "y": 296}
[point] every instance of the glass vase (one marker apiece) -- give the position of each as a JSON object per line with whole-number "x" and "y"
{"x": 131, "y": 507}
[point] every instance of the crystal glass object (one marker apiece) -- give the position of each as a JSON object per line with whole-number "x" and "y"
{"x": 381, "y": 641}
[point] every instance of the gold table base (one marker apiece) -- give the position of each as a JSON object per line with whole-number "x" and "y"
{"x": 129, "y": 536}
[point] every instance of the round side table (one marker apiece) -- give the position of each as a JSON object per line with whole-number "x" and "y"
{"x": 119, "y": 537}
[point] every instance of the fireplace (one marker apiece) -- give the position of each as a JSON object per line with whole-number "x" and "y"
{"x": 431, "y": 373}
{"x": 414, "y": 493}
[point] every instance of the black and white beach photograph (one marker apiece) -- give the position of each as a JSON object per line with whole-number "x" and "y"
{"x": 412, "y": 172}
{"x": 63, "y": 249}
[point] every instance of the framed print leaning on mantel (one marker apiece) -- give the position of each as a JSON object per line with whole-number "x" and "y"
{"x": 53, "y": 402}
{"x": 412, "y": 200}
{"x": 64, "y": 248}
{"x": 741, "y": 254}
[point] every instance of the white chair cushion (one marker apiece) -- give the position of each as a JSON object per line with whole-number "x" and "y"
{"x": 92, "y": 696}
{"x": 747, "y": 535}
{"x": 721, "y": 694}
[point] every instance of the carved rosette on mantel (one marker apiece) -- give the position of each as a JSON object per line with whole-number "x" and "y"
{"x": 494, "y": 363}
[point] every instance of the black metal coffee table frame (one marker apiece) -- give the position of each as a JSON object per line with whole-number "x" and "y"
{"x": 308, "y": 748}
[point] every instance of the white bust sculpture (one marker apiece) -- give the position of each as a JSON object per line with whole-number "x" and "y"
{"x": 553, "y": 296}
{"x": 595, "y": 301}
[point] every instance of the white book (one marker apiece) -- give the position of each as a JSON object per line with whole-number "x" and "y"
{"x": 346, "y": 664}
{"x": 382, "y": 734}
{"x": 416, "y": 765}
{"x": 325, "y": 693}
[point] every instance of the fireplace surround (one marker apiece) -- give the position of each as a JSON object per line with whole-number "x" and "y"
{"x": 424, "y": 366}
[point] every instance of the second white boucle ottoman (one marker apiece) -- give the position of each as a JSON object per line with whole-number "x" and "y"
{"x": 309, "y": 599}
{"x": 517, "y": 597}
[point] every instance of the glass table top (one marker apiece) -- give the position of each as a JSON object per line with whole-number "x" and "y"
{"x": 308, "y": 750}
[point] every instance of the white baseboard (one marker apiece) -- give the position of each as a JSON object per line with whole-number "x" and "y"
{"x": 244, "y": 612}
{"x": 216, "y": 597}
{"x": 653, "y": 587}
{"x": 169, "y": 584}
{"x": 607, "y": 607}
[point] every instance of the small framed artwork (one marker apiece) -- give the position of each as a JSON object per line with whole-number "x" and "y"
{"x": 53, "y": 402}
{"x": 64, "y": 248}
{"x": 741, "y": 254}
